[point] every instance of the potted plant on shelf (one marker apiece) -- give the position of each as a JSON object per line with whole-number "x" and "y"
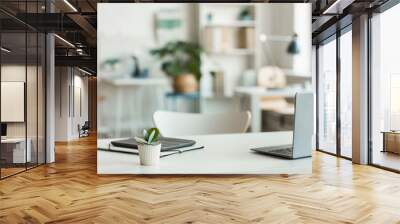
{"x": 181, "y": 61}
{"x": 149, "y": 147}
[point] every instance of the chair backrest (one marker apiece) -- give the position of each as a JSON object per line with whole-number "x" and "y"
{"x": 86, "y": 125}
{"x": 172, "y": 124}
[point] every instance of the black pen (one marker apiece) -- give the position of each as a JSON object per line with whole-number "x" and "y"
{"x": 182, "y": 151}
{"x": 118, "y": 151}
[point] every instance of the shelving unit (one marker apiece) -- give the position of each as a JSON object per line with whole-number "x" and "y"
{"x": 237, "y": 51}
{"x": 229, "y": 43}
{"x": 234, "y": 51}
{"x": 231, "y": 24}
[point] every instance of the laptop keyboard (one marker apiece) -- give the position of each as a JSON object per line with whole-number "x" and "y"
{"x": 285, "y": 151}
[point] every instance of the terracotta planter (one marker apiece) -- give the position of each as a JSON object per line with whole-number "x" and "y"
{"x": 185, "y": 83}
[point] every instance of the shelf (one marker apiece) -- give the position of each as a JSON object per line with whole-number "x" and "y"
{"x": 232, "y": 24}
{"x": 217, "y": 97}
{"x": 231, "y": 5}
{"x": 291, "y": 73}
{"x": 233, "y": 52}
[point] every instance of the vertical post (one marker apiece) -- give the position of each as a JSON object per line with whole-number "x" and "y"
{"x": 0, "y": 97}
{"x": 360, "y": 90}
{"x": 50, "y": 92}
{"x": 50, "y": 98}
{"x": 370, "y": 111}
{"x": 26, "y": 88}
{"x": 317, "y": 97}
{"x": 338, "y": 98}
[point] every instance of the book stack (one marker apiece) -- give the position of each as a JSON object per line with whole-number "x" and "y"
{"x": 225, "y": 39}
{"x": 218, "y": 83}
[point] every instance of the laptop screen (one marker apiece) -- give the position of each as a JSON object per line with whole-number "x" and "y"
{"x": 303, "y": 124}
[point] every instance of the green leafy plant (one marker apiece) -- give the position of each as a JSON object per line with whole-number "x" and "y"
{"x": 110, "y": 62}
{"x": 150, "y": 137}
{"x": 179, "y": 57}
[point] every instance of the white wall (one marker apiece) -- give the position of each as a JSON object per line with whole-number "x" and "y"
{"x": 68, "y": 81}
{"x": 302, "y": 26}
{"x": 15, "y": 72}
{"x": 61, "y": 103}
{"x": 80, "y": 83}
{"x": 126, "y": 29}
{"x": 285, "y": 19}
{"x": 274, "y": 20}
{"x": 132, "y": 31}
{"x": 34, "y": 125}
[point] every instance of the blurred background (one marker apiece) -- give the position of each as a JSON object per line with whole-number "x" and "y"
{"x": 201, "y": 58}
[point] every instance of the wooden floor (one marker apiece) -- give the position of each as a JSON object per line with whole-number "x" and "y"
{"x": 387, "y": 159}
{"x": 70, "y": 191}
{"x": 5, "y": 172}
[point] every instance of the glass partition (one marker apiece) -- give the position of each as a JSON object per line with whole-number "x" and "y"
{"x": 35, "y": 88}
{"x": 31, "y": 100}
{"x": 15, "y": 149}
{"x": 22, "y": 92}
{"x": 41, "y": 96}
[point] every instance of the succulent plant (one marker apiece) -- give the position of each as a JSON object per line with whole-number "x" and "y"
{"x": 150, "y": 137}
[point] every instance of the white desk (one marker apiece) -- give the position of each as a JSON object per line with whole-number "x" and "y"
{"x": 254, "y": 93}
{"x": 18, "y": 149}
{"x": 223, "y": 154}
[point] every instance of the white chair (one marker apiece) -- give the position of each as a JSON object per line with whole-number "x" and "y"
{"x": 172, "y": 124}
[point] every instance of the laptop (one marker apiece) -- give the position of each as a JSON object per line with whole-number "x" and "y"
{"x": 301, "y": 146}
{"x": 166, "y": 143}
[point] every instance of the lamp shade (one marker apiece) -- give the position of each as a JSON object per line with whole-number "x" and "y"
{"x": 293, "y": 47}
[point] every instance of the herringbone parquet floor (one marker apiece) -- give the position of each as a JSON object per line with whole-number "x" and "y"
{"x": 70, "y": 191}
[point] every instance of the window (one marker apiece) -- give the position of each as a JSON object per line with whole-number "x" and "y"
{"x": 334, "y": 106}
{"x": 394, "y": 102}
{"x": 385, "y": 89}
{"x": 346, "y": 94}
{"x": 327, "y": 97}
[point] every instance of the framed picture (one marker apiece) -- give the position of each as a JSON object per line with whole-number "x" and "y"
{"x": 169, "y": 25}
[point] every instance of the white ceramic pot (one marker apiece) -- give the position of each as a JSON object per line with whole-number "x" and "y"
{"x": 149, "y": 154}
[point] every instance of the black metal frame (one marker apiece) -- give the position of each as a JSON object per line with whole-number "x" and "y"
{"x": 338, "y": 97}
{"x": 37, "y": 163}
{"x": 369, "y": 90}
{"x": 0, "y": 89}
{"x": 317, "y": 96}
{"x": 387, "y": 5}
{"x": 339, "y": 32}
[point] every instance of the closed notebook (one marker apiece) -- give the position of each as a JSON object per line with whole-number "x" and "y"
{"x": 166, "y": 143}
